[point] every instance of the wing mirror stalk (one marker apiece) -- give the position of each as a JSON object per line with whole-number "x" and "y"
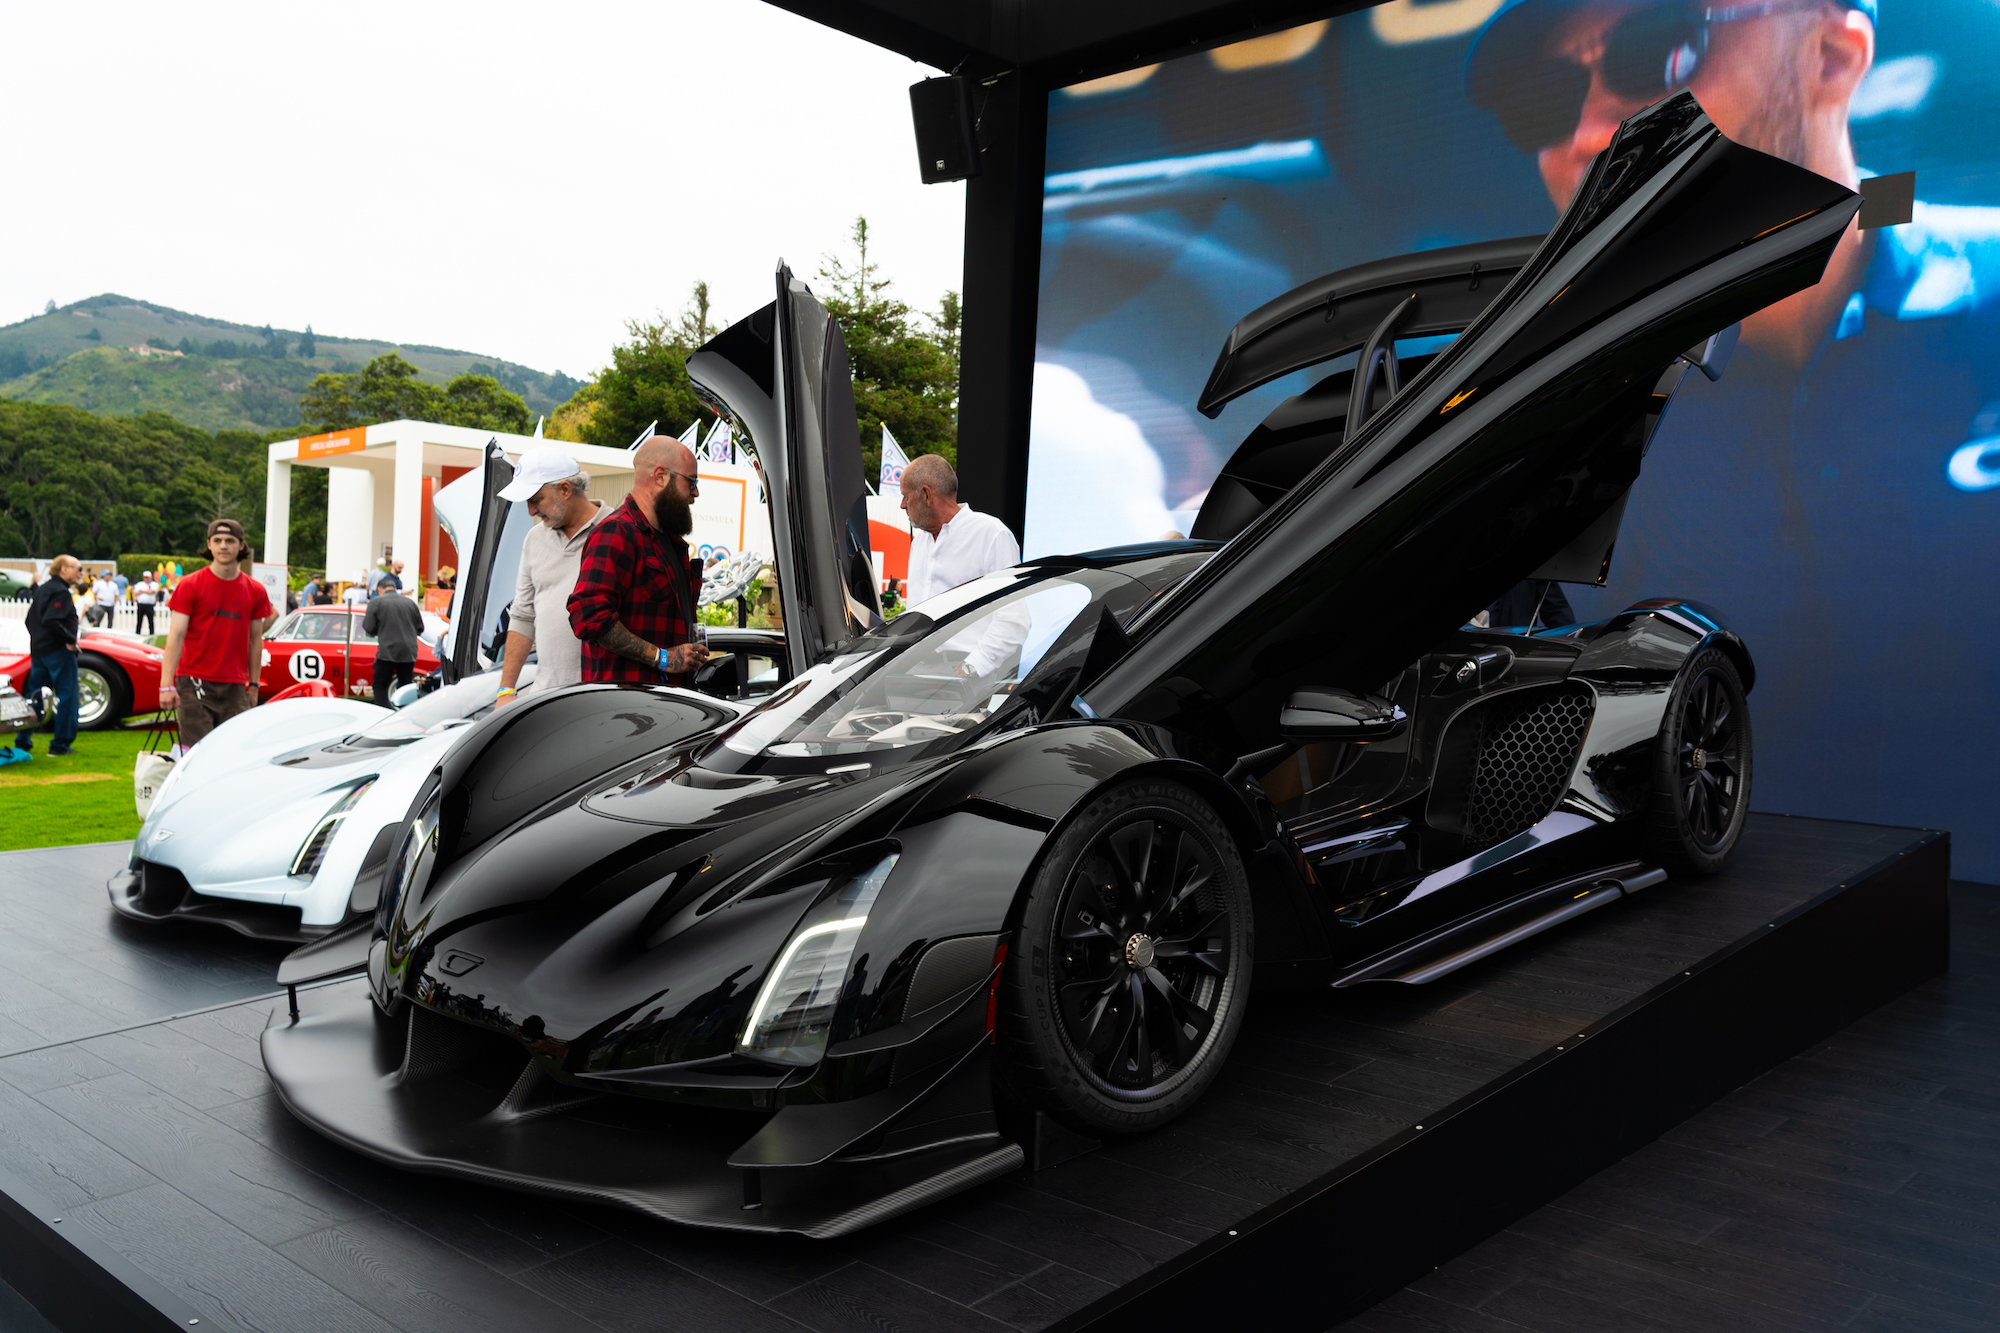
{"x": 1321, "y": 714}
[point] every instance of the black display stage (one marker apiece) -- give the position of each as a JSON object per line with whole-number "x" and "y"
{"x": 1354, "y": 1140}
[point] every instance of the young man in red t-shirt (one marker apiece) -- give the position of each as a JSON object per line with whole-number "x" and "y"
{"x": 216, "y": 643}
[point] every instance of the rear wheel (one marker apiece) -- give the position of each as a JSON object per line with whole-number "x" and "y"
{"x": 1701, "y": 769}
{"x": 1126, "y": 991}
{"x": 104, "y": 694}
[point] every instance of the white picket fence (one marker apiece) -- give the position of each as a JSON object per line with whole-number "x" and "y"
{"x": 12, "y": 614}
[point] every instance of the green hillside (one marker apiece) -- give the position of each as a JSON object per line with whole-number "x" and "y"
{"x": 237, "y": 394}
{"x": 229, "y": 376}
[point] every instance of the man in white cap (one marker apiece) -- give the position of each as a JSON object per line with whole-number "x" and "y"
{"x": 556, "y": 490}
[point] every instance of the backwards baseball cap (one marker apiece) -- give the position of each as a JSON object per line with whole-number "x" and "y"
{"x": 538, "y": 467}
{"x": 228, "y": 525}
{"x": 1651, "y": 51}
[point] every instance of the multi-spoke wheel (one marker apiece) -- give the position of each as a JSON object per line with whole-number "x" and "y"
{"x": 1128, "y": 985}
{"x": 1701, "y": 769}
{"x": 104, "y": 695}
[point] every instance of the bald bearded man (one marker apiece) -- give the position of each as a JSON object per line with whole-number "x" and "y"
{"x": 636, "y": 587}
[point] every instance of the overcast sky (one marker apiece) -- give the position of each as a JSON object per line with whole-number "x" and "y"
{"x": 507, "y": 178}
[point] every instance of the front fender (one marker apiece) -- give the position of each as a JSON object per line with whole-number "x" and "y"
{"x": 545, "y": 747}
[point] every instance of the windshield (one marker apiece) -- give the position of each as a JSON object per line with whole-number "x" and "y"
{"x": 441, "y": 709}
{"x": 929, "y": 677}
{"x": 321, "y": 627}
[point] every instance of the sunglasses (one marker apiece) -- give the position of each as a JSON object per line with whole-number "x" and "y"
{"x": 1647, "y": 55}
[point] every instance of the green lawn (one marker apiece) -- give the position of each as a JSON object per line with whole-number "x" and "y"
{"x": 53, "y": 801}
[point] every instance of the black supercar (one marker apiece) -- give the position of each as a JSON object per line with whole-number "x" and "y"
{"x": 1019, "y": 851}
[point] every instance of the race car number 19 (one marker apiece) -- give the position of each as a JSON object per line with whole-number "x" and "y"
{"x": 307, "y": 665}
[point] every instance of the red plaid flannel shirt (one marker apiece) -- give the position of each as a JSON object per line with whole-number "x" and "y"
{"x": 627, "y": 574}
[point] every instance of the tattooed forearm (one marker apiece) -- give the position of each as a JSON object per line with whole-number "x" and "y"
{"x": 627, "y": 644}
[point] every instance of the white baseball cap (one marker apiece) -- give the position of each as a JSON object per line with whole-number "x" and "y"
{"x": 538, "y": 467}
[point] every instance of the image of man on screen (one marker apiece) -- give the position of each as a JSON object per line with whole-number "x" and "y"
{"x": 1847, "y": 462}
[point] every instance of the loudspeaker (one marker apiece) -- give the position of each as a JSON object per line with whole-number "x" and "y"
{"x": 947, "y": 145}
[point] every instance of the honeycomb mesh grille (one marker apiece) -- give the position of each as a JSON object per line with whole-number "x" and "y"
{"x": 1525, "y": 763}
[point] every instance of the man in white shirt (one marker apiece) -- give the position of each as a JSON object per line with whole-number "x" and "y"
{"x": 949, "y": 543}
{"x": 104, "y": 593}
{"x": 554, "y": 486}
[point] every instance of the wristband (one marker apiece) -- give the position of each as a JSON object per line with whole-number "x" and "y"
{"x": 664, "y": 673}
{"x": 504, "y": 693}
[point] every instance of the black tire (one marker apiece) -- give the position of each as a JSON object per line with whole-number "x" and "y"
{"x": 1701, "y": 769}
{"x": 1131, "y": 969}
{"x": 104, "y": 692}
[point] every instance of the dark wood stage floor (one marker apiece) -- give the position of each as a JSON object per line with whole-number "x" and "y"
{"x": 1854, "y": 1187}
{"x": 132, "y": 1099}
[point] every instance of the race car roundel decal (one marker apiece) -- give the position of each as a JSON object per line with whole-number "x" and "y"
{"x": 307, "y": 665}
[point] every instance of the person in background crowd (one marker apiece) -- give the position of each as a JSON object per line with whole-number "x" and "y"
{"x": 323, "y": 593}
{"x": 104, "y": 600}
{"x": 394, "y": 577}
{"x": 357, "y": 594}
{"x": 215, "y": 639}
{"x": 555, "y": 488}
{"x": 118, "y": 577}
{"x": 636, "y": 587}
{"x": 52, "y": 631}
{"x": 309, "y": 594}
{"x": 394, "y": 621}
{"x": 145, "y": 596}
{"x": 447, "y": 578}
{"x": 949, "y": 543}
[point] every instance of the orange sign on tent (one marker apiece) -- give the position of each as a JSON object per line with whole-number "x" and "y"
{"x": 350, "y": 441}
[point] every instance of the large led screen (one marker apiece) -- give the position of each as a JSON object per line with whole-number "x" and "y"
{"x": 1836, "y": 494}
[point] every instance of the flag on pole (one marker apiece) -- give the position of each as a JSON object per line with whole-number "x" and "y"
{"x": 538, "y": 426}
{"x": 692, "y": 435}
{"x": 720, "y": 446}
{"x": 893, "y": 462}
{"x": 644, "y": 436}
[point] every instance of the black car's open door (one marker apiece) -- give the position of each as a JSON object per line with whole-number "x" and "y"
{"x": 783, "y": 375}
{"x": 1501, "y": 453}
{"x": 488, "y": 532}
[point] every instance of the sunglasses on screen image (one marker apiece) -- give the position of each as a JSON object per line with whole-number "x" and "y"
{"x": 1647, "y": 54}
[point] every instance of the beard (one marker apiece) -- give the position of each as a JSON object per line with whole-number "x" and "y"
{"x": 676, "y": 515}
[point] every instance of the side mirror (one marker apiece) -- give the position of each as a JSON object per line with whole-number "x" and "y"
{"x": 1340, "y": 715}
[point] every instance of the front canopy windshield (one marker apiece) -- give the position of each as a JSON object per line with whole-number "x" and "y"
{"x": 440, "y": 710}
{"x": 927, "y": 679}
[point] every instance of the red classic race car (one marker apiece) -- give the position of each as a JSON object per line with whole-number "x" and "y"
{"x": 118, "y": 674}
{"x": 312, "y": 644}
{"x": 113, "y": 668}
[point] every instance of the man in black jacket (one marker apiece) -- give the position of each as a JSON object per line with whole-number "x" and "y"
{"x": 395, "y": 622}
{"x": 52, "y": 631}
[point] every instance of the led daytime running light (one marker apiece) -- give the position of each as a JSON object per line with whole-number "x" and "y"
{"x": 313, "y": 851}
{"x": 791, "y": 951}
{"x": 794, "y": 1012}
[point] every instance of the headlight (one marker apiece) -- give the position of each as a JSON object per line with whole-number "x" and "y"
{"x": 313, "y": 850}
{"x": 793, "y": 1014}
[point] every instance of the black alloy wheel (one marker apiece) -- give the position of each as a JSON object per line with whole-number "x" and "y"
{"x": 1137, "y": 938}
{"x": 1701, "y": 777}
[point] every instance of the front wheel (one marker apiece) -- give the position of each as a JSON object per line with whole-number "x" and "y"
{"x": 1701, "y": 769}
{"x": 103, "y": 694}
{"x": 1127, "y": 989}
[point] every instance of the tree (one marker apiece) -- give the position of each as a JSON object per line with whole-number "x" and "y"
{"x": 388, "y": 389}
{"x": 905, "y": 376}
{"x": 50, "y": 308}
{"x": 645, "y": 383}
{"x": 307, "y": 349}
{"x": 94, "y": 335}
{"x": 694, "y": 329}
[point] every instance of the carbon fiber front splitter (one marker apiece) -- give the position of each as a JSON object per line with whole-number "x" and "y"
{"x": 344, "y": 1073}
